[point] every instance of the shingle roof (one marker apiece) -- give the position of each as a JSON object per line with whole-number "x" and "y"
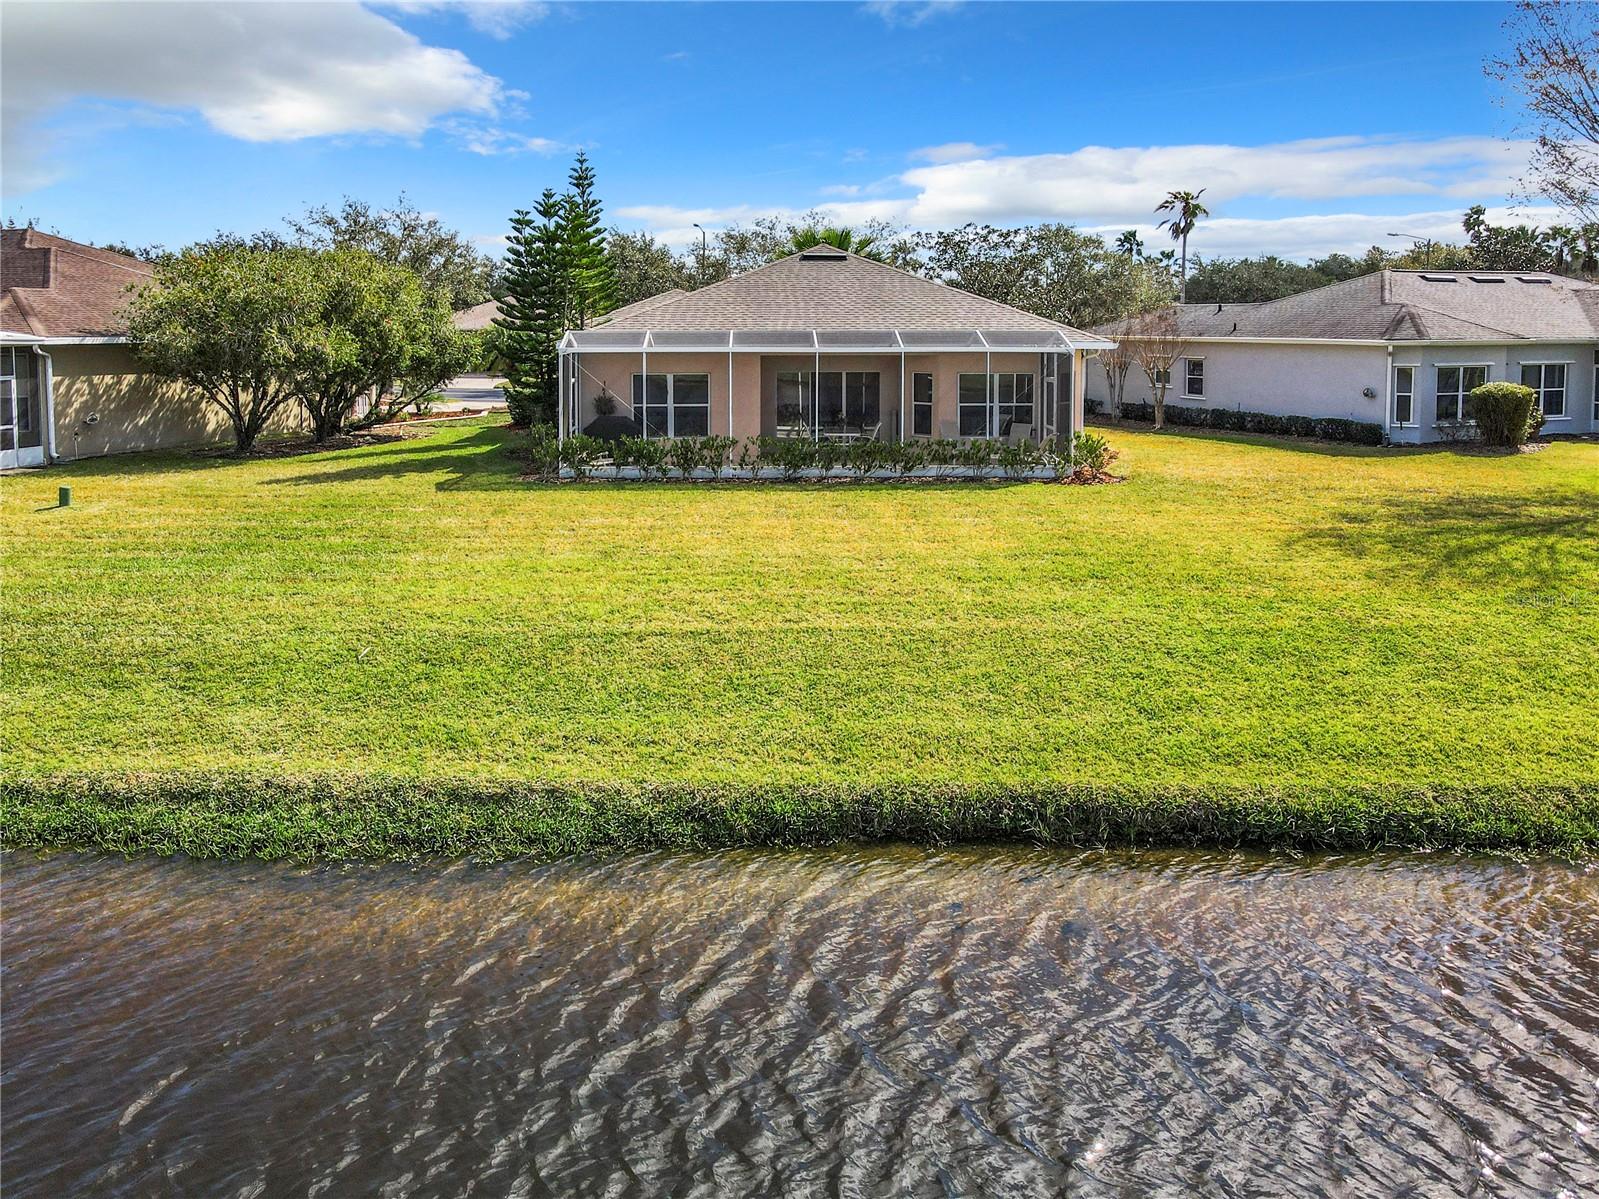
{"x": 1414, "y": 306}
{"x": 59, "y": 288}
{"x": 832, "y": 290}
{"x": 479, "y": 316}
{"x": 644, "y": 305}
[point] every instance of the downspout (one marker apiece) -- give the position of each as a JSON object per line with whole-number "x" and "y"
{"x": 49, "y": 401}
{"x": 1388, "y": 396}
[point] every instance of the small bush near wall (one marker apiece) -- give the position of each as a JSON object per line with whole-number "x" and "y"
{"x": 1085, "y": 460}
{"x": 1327, "y": 428}
{"x": 1506, "y": 413}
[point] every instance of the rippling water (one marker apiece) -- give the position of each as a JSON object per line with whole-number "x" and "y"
{"x": 871, "y": 1022}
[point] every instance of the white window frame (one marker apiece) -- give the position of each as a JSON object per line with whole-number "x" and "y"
{"x": 641, "y": 405}
{"x": 1188, "y": 378}
{"x": 1596, "y": 389}
{"x": 1487, "y": 377}
{"x": 991, "y": 400}
{"x": 1409, "y": 393}
{"x": 1162, "y": 375}
{"x": 1564, "y": 389}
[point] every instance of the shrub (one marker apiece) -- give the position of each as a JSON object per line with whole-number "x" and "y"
{"x": 1506, "y": 413}
{"x": 1093, "y": 453}
{"x": 582, "y": 454}
{"x": 1327, "y": 428}
{"x": 542, "y": 451}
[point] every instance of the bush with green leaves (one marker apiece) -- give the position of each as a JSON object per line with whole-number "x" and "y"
{"x": 1326, "y": 428}
{"x": 1092, "y": 452}
{"x": 581, "y": 454}
{"x": 1506, "y": 413}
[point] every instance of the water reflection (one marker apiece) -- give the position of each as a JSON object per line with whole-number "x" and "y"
{"x": 883, "y": 1021}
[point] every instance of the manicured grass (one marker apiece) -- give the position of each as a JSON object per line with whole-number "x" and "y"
{"x": 1239, "y": 616}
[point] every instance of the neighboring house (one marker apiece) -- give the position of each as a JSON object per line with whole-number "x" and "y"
{"x": 827, "y": 344}
{"x": 70, "y": 386}
{"x": 477, "y": 317}
{"x": 1399, "y": 349}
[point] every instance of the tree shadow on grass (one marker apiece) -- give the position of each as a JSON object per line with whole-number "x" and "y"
{"x": 1545, "y": 542}
{"x": 480, "y": 461}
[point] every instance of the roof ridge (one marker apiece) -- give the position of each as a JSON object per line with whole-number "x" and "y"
{"x": 888, "y": 266}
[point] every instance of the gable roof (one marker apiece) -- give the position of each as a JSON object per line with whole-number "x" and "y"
{"x": 637, "y": 306}
{"x": 825, "y": 289}
{"x": 1428, "y": 305}
{"x": 479, "y": 316}
{"x": 54, "y": 287}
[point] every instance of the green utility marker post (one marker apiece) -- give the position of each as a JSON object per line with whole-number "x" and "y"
{"x": 63, "y": 497}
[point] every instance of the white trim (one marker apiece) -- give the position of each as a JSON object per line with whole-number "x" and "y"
{"x": 49, "y": 377}
{"x": 1391, "y": 404}
{"x": 27, "y": 339}
{"x": 1460, "y": 412}
{"x": 1188, "y": 395}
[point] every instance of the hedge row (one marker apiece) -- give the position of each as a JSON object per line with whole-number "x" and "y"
{"x": 365, "y": 817}
{"x": 1327, "y": 428}
{"x": 795, "y": 456}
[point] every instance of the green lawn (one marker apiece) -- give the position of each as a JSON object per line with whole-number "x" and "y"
{"x": 1237, "y": 612}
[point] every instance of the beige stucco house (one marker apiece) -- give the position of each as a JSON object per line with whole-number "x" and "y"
{"x": 70, "y": 386}
{"x": 1397, "y": 350}
{"x": 827, "y": 344}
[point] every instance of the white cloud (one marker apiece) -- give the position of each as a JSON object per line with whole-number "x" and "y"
{"x": 258, "y": 72}
{"x": 909, "y": 12}
{"x": 491, "y": 139}
{"x": 954, "y": 152}
{"x": 1125, "y": 183}
{"x": 499, "y": 19}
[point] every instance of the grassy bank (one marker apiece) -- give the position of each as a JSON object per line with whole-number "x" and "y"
{"x": 1240, "y": 619}
{"x": 365, "y": 817}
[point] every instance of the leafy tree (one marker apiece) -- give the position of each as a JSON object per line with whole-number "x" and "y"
{"x": 1553, "y": 70}
{"x": 379, "y": 333}
{"x": 401, "y": 234}
{"x": 590, "y": 285}
{"x": 1185, "y": 210}
{"x": 234, "y": 325}
{"x": 1129, "y": 243}
{"x": 1052, "y": 270}
{"x": 865, "y": 242}
{"x": 533, "y": 310}
{"x": 1505, "y": 247}
{"x": 644, "y": 267}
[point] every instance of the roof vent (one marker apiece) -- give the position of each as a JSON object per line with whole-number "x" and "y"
{"x": 1440, "y": 278}
{"x": 1533, "y": 279}
{"x": 1487, "y": 278}
{"x": 823, "y": 254}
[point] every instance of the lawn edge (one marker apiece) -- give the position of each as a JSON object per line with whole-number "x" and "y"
{"x": 345, "y": 817}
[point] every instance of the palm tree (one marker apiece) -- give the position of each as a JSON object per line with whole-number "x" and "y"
{"x": 1185, "y": 210}
{"x": 840, "y": 237}
{"x": 1130, "y": 244}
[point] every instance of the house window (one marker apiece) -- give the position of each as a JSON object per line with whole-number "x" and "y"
{"x": 1548, "y": 379}
{"x": 1161, "y": 377}
{"x": 1596, "y": 389}
{"x": 921, "y": 405}
{"x": 672, "y": 405}
{"x": 1011, "y": 394}
{"x": 1404, "y": 395}
{"x": 1455, "y": 383}
{"x": 1194, "y": 378}
{"x": 842, "y": 400}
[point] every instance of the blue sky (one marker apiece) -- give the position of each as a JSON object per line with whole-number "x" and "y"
{"x": 1314, "y": 127}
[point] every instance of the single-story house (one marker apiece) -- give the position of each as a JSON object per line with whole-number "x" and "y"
{"x": 827, "y": 344}
{"x": 70, "y": 386}
{"x": 1398, "y": 349}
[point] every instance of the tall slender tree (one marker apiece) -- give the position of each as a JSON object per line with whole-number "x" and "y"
{"x": 533, "y": 311}
{"x": 1185, "y": 210}
{"x": 591, "y": 284}
{"x": 1129, "y": 243}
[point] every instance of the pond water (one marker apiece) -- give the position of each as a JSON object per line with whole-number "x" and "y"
{"x": 852, "y": 1022}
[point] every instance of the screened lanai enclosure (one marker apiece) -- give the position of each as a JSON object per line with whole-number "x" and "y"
{"x": 823, "y": 384}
